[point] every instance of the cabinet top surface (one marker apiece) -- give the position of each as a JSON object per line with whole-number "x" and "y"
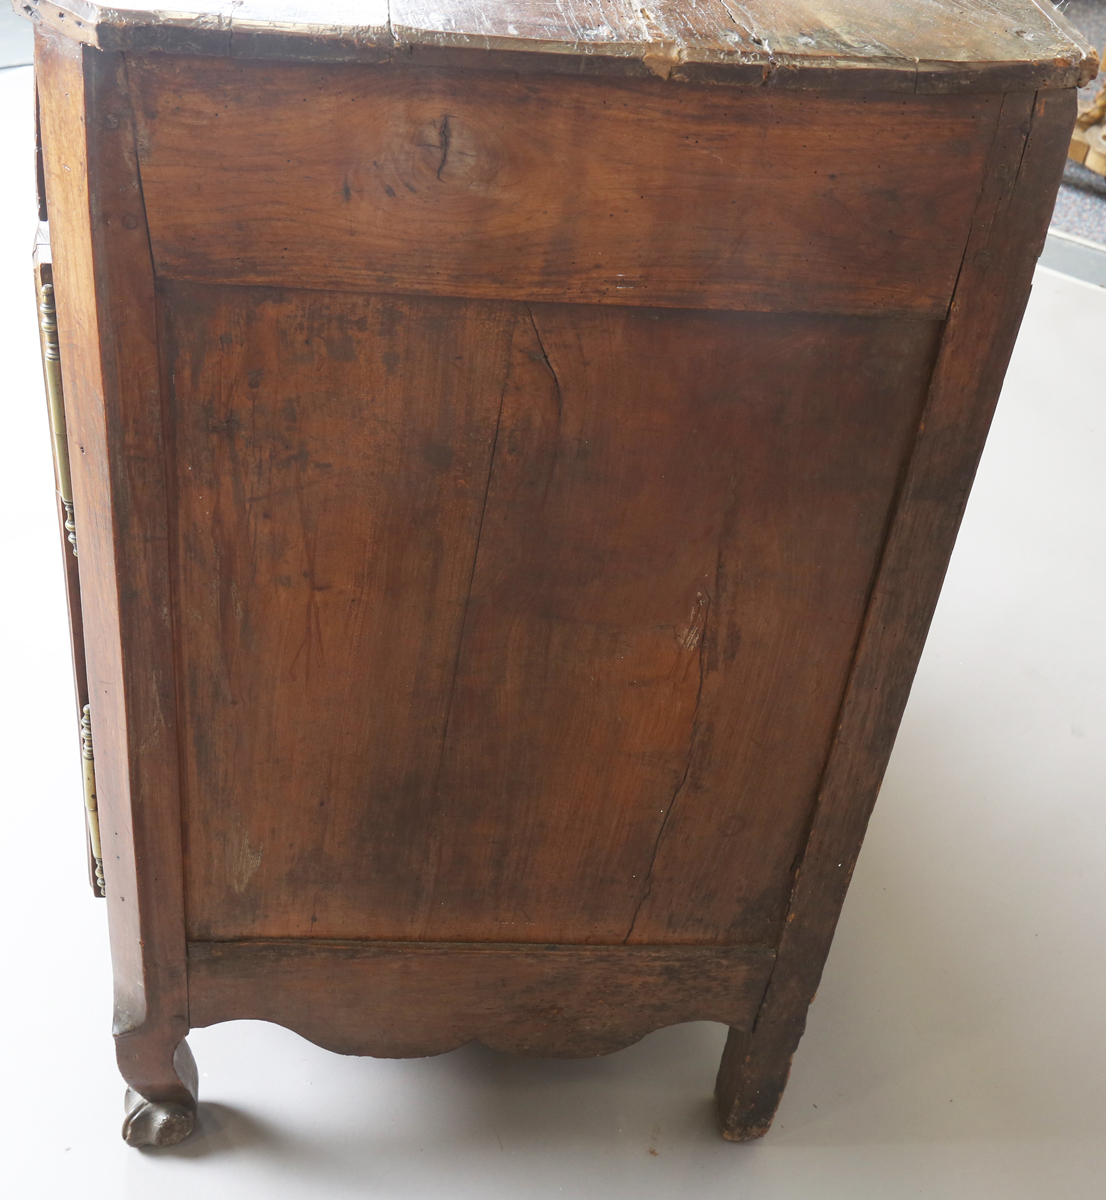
{"x": 901, "y": 45}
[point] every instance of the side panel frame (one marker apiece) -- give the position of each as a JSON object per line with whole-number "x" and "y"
{"x": 991, "y": 294}
{"x": 105, "y": 298}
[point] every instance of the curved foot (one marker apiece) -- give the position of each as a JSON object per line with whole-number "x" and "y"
{"x": 170, "y": 1119}
{"x": 148, "y": 1123}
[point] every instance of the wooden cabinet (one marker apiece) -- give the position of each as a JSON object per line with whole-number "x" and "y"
{"x": 515, "y": 452}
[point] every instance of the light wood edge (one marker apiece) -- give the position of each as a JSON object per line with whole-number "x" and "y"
{"x": 226, "y": 36}
{"x": 105, "y": 298}
{"x": 1007, "y": 236}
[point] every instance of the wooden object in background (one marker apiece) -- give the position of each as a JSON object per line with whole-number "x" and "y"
{"x": 1088, "y": 140}
{"x": 517, "y": 458}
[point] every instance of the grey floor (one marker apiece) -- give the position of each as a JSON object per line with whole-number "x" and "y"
{"x": 957, "y": 1047}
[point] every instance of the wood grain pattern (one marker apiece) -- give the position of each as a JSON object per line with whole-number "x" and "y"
{"x": 424, "y": 181}
{"x": 469, "y": 592}
{"x": 683, "y": 519}
{"x": 403, "y": 1000}
{"x": 105, "y": 298}
{"x": 1008, "y": 234}
{"x": 332, "y": 456}
{"x": 901, "y": 45}
{"x": 512, "y": 504}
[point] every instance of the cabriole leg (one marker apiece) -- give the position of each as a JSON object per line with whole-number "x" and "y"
{"x": 161, "y": 1096}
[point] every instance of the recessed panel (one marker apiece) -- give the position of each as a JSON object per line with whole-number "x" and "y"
{"x": 516, "y": 623}
{"x": 618, "y": 192}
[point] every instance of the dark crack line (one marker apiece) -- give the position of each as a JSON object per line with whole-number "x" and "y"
{"x": 445, "y": 136}
{"x": 472, "y": 579}
{"x": 549, "y": 365}
{"x": 687, "y": 771}
{"x": 448, "y": 716}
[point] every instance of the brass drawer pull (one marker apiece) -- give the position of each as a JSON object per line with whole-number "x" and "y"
{"x": 91, "y": 812}
{"x": 51, "y": 368}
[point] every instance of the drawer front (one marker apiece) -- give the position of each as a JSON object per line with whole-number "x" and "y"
{"x": 373, "y": 178}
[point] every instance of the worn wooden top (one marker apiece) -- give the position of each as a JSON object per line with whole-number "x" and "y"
{"x": 898, "y": 45}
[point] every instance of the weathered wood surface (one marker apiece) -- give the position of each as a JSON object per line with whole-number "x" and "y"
{"x": 507, "y": 622}
{"x": 104, "y": 285}
{"x": 403, "y": 1000}
{"x": 900, "y": 45}
{"x": 481, "y": 185}
{"x": 580, "y": 631}
{"x": 1008, "y": 235}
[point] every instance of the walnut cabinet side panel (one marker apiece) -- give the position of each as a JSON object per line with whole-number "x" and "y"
{"x": 504, "y": 622}
{"x": 512, "y": 410}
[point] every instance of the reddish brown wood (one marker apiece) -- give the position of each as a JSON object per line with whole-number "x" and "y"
{"x": 682, "y": 523}
{"x": 410, "y": 999}
{"x": 104, "y": 283}
{"x": 481, "y": 185}
{"x": 331, "y": 468}
{"x": 1008, "y": 234}
{"x": 466, "y": 663}
{"x": 569, "y": 570}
